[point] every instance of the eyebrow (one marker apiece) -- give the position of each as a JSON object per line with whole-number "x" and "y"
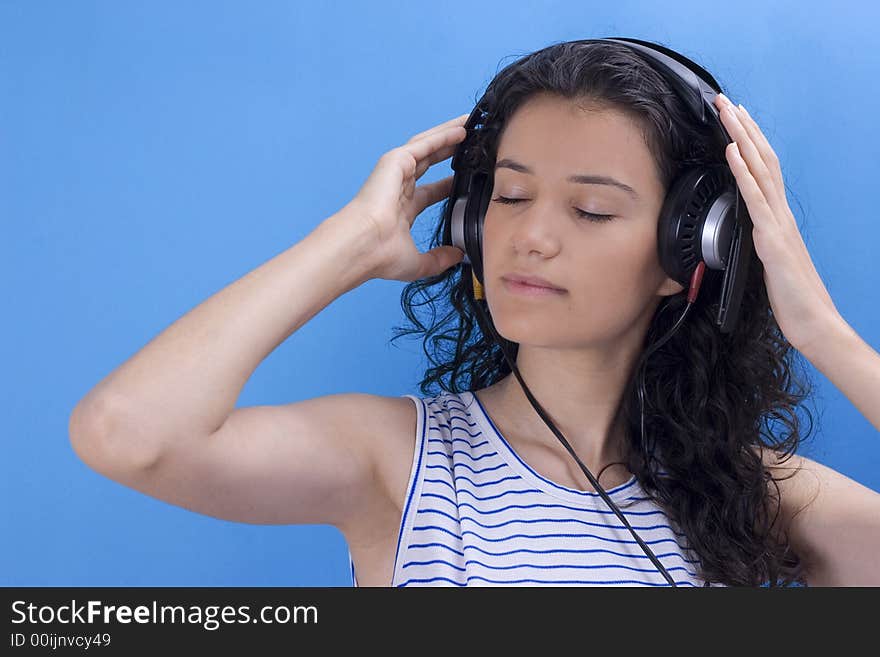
{"x": 583, "y": 179}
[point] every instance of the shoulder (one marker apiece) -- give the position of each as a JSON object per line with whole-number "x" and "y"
{"x": 833, "y": 521}
{"x": 392, "y": 432}
{"x": 384, "y": 429}
{"x": 794, "y": 477}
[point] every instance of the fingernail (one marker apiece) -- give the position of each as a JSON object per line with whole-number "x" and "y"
{"x": 725, "y": 99}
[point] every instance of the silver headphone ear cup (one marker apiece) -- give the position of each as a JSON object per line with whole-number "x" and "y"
{"x": 717, "y": 233}
{"x": 457, "y": 227}
{"x": 696, "y": 223}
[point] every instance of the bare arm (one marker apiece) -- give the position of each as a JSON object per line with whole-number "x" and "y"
{"x": 165, "y": 421}
{"x": 185, "y": 382}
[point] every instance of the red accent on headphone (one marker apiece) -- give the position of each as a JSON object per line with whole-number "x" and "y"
{"x": 696, "y": 279}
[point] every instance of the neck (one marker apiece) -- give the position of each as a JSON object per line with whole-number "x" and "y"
{"x": 581, "y": 394}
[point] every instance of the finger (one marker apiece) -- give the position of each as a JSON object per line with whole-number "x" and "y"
{"x": 430, "y": 193}
{"x": 749, "y": 155}
{"x": 747, "y": 147}
{"x": 776, "y": 195}
{"x": 438, "y": 260}
{"x": 778, "y": 201}
{"x": 459, "y": 120}
{"x": 443, "y": 154}
{"x": 769, "y": 155}
{"x": 761, "y": 213}
{"x": 423, "y": 148}
{"x": 763, "y": 146}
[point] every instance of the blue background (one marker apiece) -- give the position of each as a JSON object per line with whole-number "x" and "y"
{"x": 151, "y": 153}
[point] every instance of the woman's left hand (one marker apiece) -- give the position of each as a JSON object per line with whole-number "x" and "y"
{"x": 801, "y": 305}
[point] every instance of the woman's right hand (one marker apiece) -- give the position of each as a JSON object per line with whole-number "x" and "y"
{"x": 390, "y": 201}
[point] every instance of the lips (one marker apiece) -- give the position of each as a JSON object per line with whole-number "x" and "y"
{"x": 535, "y": 281}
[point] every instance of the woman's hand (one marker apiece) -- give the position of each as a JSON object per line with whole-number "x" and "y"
{"x": 390, "y": 201}
{"x": 801, "y": 304}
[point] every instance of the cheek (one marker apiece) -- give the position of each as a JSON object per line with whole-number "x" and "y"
{"x": 624, "y": 270}
{"x": 497, "y": 252}
{"x": 605, "y": 266}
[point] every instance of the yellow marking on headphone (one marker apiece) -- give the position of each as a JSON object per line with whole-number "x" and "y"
{"x": 478, "y": 289}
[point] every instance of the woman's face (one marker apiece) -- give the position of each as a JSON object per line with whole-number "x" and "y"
{"x": 610, "y": 269}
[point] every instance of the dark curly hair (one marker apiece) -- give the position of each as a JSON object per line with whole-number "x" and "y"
{"x": 711, "y": 399}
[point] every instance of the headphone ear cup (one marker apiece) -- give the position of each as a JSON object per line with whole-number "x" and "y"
{"x": 697, "y": 222}
{"x": 479, "y": 195}
{"x": 456, "y": 231}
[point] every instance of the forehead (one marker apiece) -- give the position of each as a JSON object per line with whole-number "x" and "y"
{"x": 558, "y": 137}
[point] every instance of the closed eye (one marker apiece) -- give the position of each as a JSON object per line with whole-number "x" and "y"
{"x": 587, "y": 215}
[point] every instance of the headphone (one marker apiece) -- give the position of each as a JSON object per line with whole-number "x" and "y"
{"x": 702, "y": 224}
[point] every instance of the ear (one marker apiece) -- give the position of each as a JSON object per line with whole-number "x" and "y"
{"x": 669, "y": 286}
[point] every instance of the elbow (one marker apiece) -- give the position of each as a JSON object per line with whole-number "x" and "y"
{"x": 106, "y": 443}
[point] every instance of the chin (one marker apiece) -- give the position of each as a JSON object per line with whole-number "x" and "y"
{"x": 532, "y": 331}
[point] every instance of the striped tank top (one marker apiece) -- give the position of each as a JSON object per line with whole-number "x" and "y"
{"x": 476, "y": 514}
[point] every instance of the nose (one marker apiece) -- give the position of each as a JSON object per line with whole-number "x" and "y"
{"x": 535, "y": 229}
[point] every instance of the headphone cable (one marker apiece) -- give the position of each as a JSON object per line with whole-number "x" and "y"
{"x": 692, "y": 293}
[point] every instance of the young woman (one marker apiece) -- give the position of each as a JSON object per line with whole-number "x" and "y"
{"x": 467, "y": 485}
